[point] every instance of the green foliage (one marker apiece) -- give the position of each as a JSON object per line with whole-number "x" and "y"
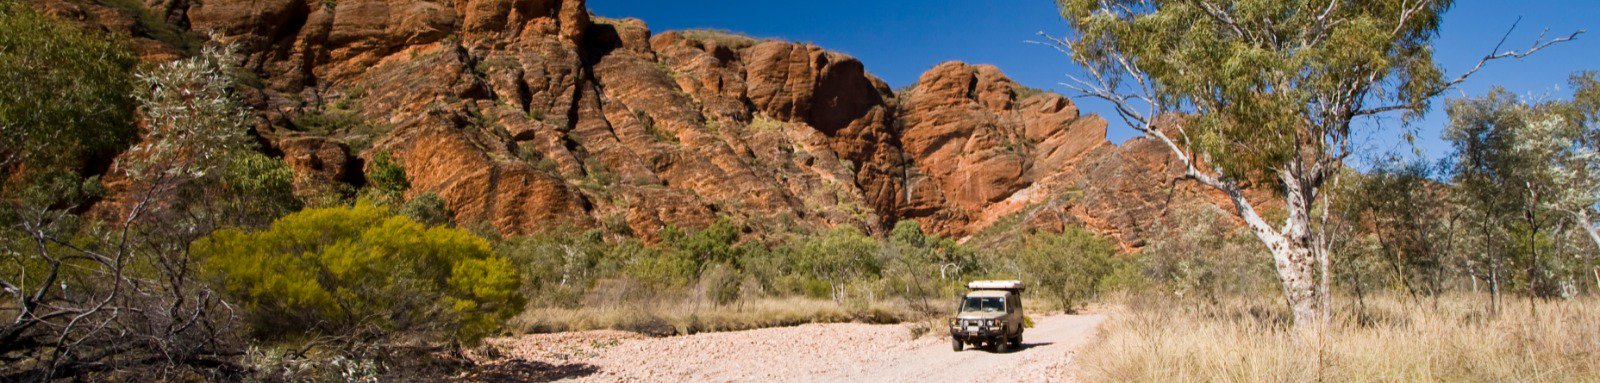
{"x": 1024, "y": 92}
{"x": 327, "y": 122}
{"x": 194, "y": 124}
{"x": 64, "y": 93}
{"x": 925, "y": 268}
{"x": 558, "y": 266}
{"x": 656, "y": 132}
{"x": 1405, "y": 213}
{"x": 1199, "y": 253}
{"x": 598, "y": 175}
{"x": 126, "y": 268}
{"x": 341, "y": 119}
{"x": 1068, "y": 267}
{"x": 1523, "y": 169}
{"x": 659, "y": 267}
{"x": 149, "y": 24}
{"x": 562, "y": 266}
{"x": 721, "y": 265}
{"x": 528, "y": 153}
{"x": 258, "y": 188}
{"x": 386, "y": 179}
{"x": 716, "y": 244}
{"x": 427, "y": 209}
{"x": 1262, "y": 75}
{"x": 836, "y": 258}
{"x": 762, "y": 123}
{"x": 359, "y": 274}
{"x": 721, "y": 284}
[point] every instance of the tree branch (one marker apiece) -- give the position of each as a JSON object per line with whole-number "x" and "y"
{"x": 1494, "y": 54}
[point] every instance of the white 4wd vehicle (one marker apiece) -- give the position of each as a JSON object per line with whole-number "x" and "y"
{"x": 990, "y": 315}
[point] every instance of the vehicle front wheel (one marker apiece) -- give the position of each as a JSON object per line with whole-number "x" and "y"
{"x": 1016, "y": 342}
{"x": 1001, "y": 346}
{"x": 955, "y": 344}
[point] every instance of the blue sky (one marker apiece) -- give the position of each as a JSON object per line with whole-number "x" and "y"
{"x": 899, "y": 39}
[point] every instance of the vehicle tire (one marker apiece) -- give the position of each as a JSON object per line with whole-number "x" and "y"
{"x": 1000, "y": 346}
{"x": 955, "y": 344}
{"x": 1016, "y": 342}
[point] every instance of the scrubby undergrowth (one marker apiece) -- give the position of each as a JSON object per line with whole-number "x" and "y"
{"x": 1388, "y": 339}
{"x": 678, "y": 317}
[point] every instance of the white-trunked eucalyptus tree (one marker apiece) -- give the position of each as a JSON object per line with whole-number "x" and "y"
{"x": 1583, "y": 155}
{"x": 1264, "y": 93}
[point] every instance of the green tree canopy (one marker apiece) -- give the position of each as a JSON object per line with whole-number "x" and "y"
{"x": 1067, "y": 267}
{"x": 1524, "y": 168}
{"x": 360, "y": 274}
{"x": 838, "y": 257}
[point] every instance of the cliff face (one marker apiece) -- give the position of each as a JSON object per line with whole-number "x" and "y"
{"x": 533, "y": 114}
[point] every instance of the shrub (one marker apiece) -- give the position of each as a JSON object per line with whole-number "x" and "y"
{"x": 560, "y": 265}
{"x": 720, "y": 284}
{"x": 1068, "y": 267}
{"x": 725, "y": 38}
{"x": 1198, "y": 253}
{"x": 257, "y": 189}
{"x": 62, "y": 89}
{"x": 386, "y": 179}
{"x": 659, "y": 268}
{"x": 193, "y": 122}
{"x": 124, "y": 268}
{"x": 428, "y": 208}
{"x": 837, "y": 258}
{"x": 358, "y": 274}
{"x": 925, "y": 268}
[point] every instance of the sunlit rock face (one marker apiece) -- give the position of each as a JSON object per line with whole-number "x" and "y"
{"x": 529, "y": 115}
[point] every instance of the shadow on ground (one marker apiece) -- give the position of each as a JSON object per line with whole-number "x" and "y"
{"x": 520, "y": 371}
{"x": 1023, "y": 347}
{"x": 1026, "y": 346}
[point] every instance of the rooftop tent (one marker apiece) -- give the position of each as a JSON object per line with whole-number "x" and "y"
{"x": 995, "y": 285}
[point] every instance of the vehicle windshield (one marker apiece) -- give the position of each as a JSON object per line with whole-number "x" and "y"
{"x": 984, "y": 304}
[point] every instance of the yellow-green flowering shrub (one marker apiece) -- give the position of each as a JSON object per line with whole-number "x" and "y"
{"x": 360, "y": 275}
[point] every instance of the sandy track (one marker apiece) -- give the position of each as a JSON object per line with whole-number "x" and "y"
{"x": 846, "y": 352}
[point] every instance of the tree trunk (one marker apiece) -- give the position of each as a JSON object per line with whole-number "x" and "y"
{"x": 1292, "y": 253}
{"x": 1588, "y": 227}
{"x": 1494, "y": 288}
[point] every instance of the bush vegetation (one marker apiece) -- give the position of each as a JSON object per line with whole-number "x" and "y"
{"x": 1387, "y": 339}
{"x": 1069, "y": 268}
{"x": 97, "y": 279}
{"x": 63, "y": 88}
{"x": 693, "y": 280}
{"x": 356, "y": 276}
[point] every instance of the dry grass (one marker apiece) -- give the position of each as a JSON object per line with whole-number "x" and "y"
{"x": 725, "y": 38}
{"x": 1389, "y": 341}
{"x": 675, "y": 317}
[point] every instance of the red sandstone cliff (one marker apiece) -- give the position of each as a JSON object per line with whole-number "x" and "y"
{"x": 532, "y": 114}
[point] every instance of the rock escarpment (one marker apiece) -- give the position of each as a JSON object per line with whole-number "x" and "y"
{"x": 528, "y": 115}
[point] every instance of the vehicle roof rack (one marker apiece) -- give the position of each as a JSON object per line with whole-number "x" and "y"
{"x": 995, "y": 285}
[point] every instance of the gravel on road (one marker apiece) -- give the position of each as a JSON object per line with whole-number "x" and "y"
{"x": 840, "y": 352}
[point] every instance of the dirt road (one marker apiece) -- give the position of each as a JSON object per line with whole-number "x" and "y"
{"x": 846, "y": 352}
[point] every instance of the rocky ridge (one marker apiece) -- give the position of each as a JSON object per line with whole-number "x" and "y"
{"x": 528, "y": 115}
